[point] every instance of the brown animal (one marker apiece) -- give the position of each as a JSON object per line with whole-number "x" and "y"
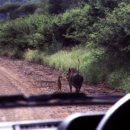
{"x": 74, "y": 79}
{"x": 59, "y": 83}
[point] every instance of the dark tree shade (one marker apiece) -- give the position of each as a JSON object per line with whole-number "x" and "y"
{"x": 8, "y": 7}
{"x": 28, "y": 8}
{"x": 55, "y": 6}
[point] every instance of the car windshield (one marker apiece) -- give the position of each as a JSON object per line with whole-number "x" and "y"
{"x": 63, "y": 46}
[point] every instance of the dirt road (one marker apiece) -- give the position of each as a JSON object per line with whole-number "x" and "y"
{"x": 21, "y": 77}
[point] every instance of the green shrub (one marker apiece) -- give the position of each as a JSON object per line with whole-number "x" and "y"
{"x": 113, "y": 32}
{"x": 73, "y": 26}
{"x": 119, "y": 78}
{"x": 35, "y": 56}
{"x": 90, "y": 63}
{"x": 126, "y": 84}
{"x": 24, "y": 33}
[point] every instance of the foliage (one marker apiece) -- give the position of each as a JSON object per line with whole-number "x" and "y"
{"x": 88, "y": 64}
{"x": 8, "y": 7}
{"x": 32, "y": 32}
{"x": 27, "y": 8}
{"x": 55, "y": 7}
{"x": 86, "y": 61}
{"x": 35, "y": 56}
{"x": 13, "y": 35}
{"x": 100, "y": 28}
{"x": 113, "y": 32}
{"x": 15, "y": 10}
{"x": 77, "y": 23}
{"x": 42, "y": 8}
{"x": 72, "y": 27}
{"x": 126, "y": 83}
{"x": 120, "y": 77}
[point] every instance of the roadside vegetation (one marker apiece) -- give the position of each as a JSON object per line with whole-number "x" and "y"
{"x": 93, "y": 37}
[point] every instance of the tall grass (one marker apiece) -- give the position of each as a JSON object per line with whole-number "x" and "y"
{"x": 84, "y": 60}
{"x": 35, "y": 56}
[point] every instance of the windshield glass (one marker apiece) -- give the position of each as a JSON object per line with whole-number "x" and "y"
{"x": 63, "y": 46}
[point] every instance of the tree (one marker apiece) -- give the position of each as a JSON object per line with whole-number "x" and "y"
{"x": 55, "y": 6}
{"x": 110, "y": 3}
{"x": 27, "y": 8}
{"x": 8, "y": 9}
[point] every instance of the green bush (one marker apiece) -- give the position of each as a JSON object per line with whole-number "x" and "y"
{"x": 113, "y": 32}
{"x": 89, "y": 62}
{"x": 119, "y": 78}
{"x": 73, "y": 26}
{"x": 35, "y": 56}
{"x": 115, "y": 78}
{"x": 24, "y": 33}
{"x": 126, "y": 84}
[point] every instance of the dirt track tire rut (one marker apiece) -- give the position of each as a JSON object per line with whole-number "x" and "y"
{"x": 15, "y": 86}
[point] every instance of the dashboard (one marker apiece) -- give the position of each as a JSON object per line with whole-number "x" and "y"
{"x": 75, "y": 121}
